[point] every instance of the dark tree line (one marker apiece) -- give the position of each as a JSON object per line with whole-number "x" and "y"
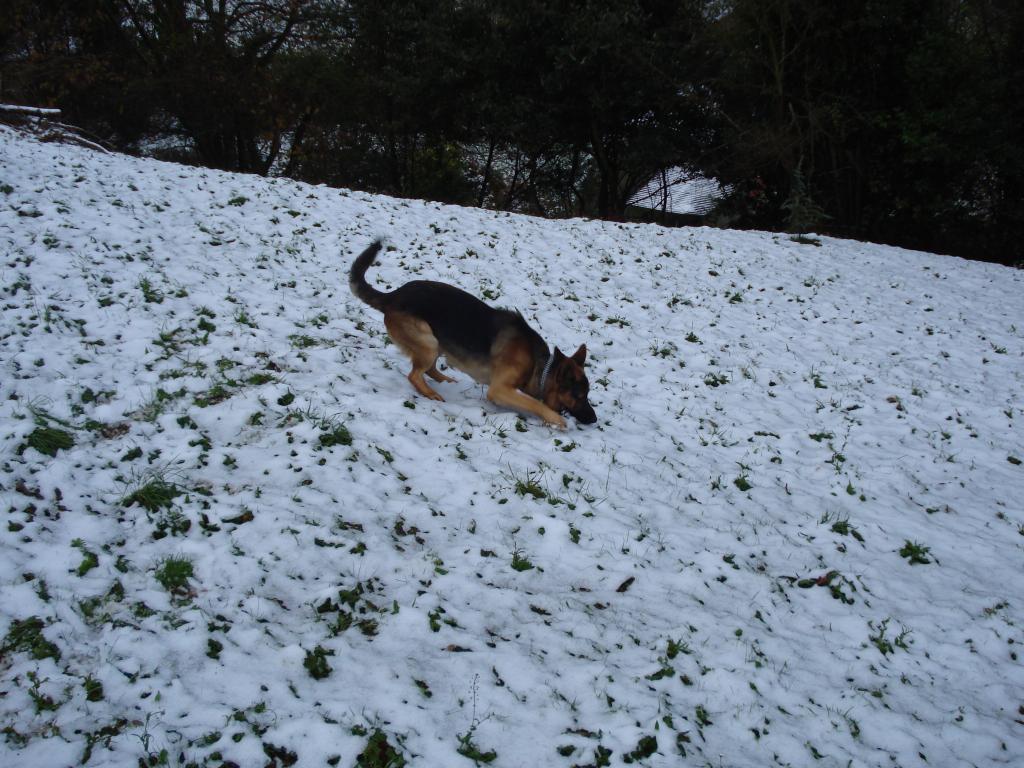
{"x": 896, "y": 120}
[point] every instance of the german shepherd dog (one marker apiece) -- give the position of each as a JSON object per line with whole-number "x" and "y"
{"x": 495, "y": 347}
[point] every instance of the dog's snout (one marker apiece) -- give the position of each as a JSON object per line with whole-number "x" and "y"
{"x": 585, "y": 414}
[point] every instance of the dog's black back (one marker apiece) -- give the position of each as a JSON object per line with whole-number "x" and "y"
{"x": 461, "y": 322}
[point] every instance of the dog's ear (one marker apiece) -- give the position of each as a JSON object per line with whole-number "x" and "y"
{"x": 581, "y": 355}
{"x": 557, "y": 356}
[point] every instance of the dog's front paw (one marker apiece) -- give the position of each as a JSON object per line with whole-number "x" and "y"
{"x": 557, "y": 421}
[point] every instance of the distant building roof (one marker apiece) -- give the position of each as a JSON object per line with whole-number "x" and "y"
{"x": 675, "y": 190}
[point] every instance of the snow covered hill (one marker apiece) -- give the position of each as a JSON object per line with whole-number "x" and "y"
{"x": 234, "y": 535}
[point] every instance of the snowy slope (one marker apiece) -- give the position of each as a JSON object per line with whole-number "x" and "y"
{"x": 794, "y": 537}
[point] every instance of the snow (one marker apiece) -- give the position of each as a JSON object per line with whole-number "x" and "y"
{"x": 677, "y": 191}
{"x": 36, "y": 111}
{"x": 716, "y": 564}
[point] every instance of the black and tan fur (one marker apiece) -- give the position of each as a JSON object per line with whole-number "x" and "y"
{"x": 496, "y": 347}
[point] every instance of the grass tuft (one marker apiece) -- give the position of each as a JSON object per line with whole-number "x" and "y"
{"x": 174, "y": 573}
{"x": 916, "y": 553}
{"x": 49, "y": 440}
{"x": 468, "y": 748}
{"x": 153, "y": 496}
{"x": 338, "y": 435}
{"x": 316, "y": 664}
{"x": 379, "y": 753}
{"x": 27, "y": 635}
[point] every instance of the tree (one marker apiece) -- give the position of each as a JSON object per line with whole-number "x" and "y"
{"x": 70, "y": 54}
{"x": 897, "y": 120}
{"x": 211, "y": 62}
{"x": 607, "y": 83}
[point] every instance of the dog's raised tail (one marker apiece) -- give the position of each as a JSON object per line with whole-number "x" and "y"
{"x": 357, "y": 278}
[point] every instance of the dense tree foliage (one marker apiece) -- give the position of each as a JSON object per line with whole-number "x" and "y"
{"x": 898, "y": 120}
{"x": 895, "y": 119}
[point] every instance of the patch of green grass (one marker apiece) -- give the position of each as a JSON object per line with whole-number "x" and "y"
{"x": 675, "y": 647}
{"x": 316, "y": 663}
{"x": 89, "y": 559}
{"x": 521, "y": 563}
{"x": 11, "y": 735}
{"x": 169, "y": 342}
{"x": 661, "y": 674}
{"x": 93, "y": 689}
{"x": 882, "y": 643}
{"x": 43, "y": 702}
{"x": 646, "y": 747}
{"x": 242, "y": 318}
{"x": 174, "y": 573}
{"x": 379, "y": 753}
{"x": 49, "y": 440}
{"x": 916, "y": 553}
{"x": 338, "y": 435}
{"x": 157, "y": 405}
{"x": 218, "y": 393}
{"x": 468, "y": 748}
{"x": 150, "y": 294}
{"x": 279, "y": 755}
{"x": 132, "y": 455}
{"x": 91, "y": 396}
{"x": 715, "y": 379}
{"x": 434, "y": 620}
{"x": 529, "y": 484}
{"x": 155, "y": 495}
{"x": 26, "y": 635}
{"x": 835, "y": 581}
{"x": 843, "y": 528}
{"x": 213, "y": 648}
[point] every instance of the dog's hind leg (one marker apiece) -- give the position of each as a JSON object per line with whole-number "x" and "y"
{"x": 436, "y": 375}
{"x": 415, "y": 338}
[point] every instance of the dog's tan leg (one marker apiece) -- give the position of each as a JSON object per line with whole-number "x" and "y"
{"x": 436, "y": 375}
{"x": 513, "y": 398}
{"x": 414, "y": 337}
